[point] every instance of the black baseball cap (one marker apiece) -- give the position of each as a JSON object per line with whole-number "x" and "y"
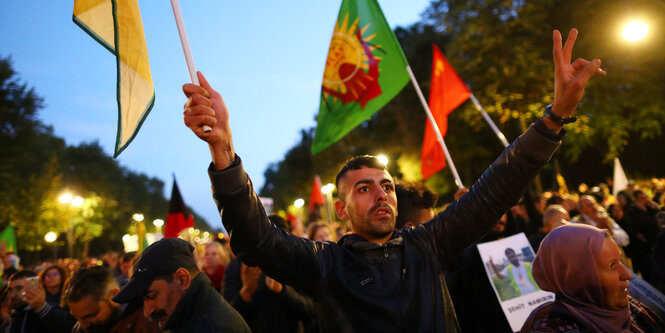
{"x": 161, "y": 258}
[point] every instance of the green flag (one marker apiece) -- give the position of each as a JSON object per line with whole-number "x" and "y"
{"x": 364, "y": 70}
{"x": 8, "y": 237}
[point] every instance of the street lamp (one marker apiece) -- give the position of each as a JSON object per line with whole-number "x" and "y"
{"x": 50, "y": 237}
{"x": 138, "y": 217}
{"x": 77, "y": 201}
{"x": 327, "y": 190}
{"x": 65, "y": 198}
{"x": 634, "y": 31}
{"x": 74, "y": 201}
{"x": 382, "y": 159}
{"x": 158, "y": 223}
{"x": 299, "y": 203}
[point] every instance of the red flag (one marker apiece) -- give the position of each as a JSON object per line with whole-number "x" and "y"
{"x": 176, "y": 220}
{"x": 317, "y": 197}
{"x": 447, "y": 91}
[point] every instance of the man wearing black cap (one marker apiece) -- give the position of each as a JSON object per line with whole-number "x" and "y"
{"x": 175, "y": 294}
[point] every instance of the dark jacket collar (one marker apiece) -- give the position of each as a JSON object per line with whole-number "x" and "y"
{"x": 186, "y": 308}
{"x": 356, "y": 242}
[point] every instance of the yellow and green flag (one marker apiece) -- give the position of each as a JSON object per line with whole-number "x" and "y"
{"x": 116, "y": 24}
{"x": 365, "y": 69}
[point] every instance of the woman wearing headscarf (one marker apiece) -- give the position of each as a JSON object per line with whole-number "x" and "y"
{"x": 581, "y": 264}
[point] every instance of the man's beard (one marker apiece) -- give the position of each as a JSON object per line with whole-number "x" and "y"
{"x": 17, "y": 303}
{"x": 157, "y": 315}
{"x": 381, "y": 233}
{"x": 106, "y": 326}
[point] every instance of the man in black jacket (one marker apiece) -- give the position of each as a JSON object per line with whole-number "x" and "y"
{"x": 176, "y": 294}
{"x": 379, "y": 278}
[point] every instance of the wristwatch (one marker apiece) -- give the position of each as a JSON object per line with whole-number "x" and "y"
{"x": 561, "y": 121}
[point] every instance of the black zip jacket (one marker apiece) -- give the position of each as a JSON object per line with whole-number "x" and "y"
{"x": 203, "y": 310}
{"x": 395, "y": 287}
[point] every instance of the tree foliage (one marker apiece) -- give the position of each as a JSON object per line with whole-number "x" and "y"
{"x": 38, "y": 167}
{"x": 503, "y": 50}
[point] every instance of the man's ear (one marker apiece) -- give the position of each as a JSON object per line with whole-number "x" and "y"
{"x": 183, "y": 278}
{"x": 340, "y": 209}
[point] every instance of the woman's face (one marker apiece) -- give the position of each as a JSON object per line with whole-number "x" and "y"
{"x": 322, "y": 235}
{"x": 613, "y": 276}
{"x": 52, "y": 278}
{"x": 211, "y": 257}
{"x": 616, "y": 212}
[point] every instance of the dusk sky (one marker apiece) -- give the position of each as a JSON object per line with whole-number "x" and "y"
{"x": 265, "y": 57}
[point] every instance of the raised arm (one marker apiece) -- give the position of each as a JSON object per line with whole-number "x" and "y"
{"x": 254, "y": 239}
{"x": 570, "y": 79}
{"x": 466, "y": 220}
{"x": 205, "y": 106}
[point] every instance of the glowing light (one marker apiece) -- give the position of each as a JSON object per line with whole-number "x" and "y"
{"x": 206, "y": 235}
{"x": 299, "y": 202}
{"x": 328, "y": 188}
{"x": 634, "y": 31}
{"x": 65, "y": 198}
{"x": 220, "y": 235}
{"x": 383, "y": 159}
{"x": 50, "y": 237}
{"x": 190, "y": 230}
{"x": 138, "y": 217}
{"x": 126, "y": 238}
{"x": 77, "y": 201}
{"x": 158, "y": 223}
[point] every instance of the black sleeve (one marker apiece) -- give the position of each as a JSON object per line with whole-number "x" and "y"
{"x": 56, "y": 319}
{"x": 292, "y": 260}
{"x": 468, "y": 219}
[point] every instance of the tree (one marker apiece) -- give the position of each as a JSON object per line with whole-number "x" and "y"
{"x": 37, "y": 167}
{"x": 502, "y": 49}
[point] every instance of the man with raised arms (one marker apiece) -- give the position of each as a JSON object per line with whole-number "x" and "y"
{"x": 378, "y": 278}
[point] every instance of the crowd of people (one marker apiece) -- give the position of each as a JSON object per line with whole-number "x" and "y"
{"x": 416, "y": 271}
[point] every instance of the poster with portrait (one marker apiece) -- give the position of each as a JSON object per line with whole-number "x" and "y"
{"x": 507, "y": 263}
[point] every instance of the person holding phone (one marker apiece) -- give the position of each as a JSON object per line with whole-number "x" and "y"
{"x": 29, "y": 310}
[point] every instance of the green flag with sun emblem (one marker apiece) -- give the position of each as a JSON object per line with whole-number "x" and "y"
{"x": 365, "y": 69}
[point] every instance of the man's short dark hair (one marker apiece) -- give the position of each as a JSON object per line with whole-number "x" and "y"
{"x": 359, "y": 162}
{"x": 23, "y": 274}
{"x": 411, "y": 198}
{"x": 95, "y": 281}
{"x": 509, "y": 250}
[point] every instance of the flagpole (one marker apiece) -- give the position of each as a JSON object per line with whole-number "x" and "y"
{"x": 458, "y": 180}
{"x": 186, "y": 49}
{"x": 496, "y": 130}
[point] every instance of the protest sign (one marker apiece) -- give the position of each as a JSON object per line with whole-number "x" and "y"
{"x": 647, "y": 294}
{"x": 507, "y": 263}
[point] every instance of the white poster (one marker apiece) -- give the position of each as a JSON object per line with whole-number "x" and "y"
{"x": 647, "y": 294}
{"x": 267, "y": 204}
{"x": 507, "y": 263}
